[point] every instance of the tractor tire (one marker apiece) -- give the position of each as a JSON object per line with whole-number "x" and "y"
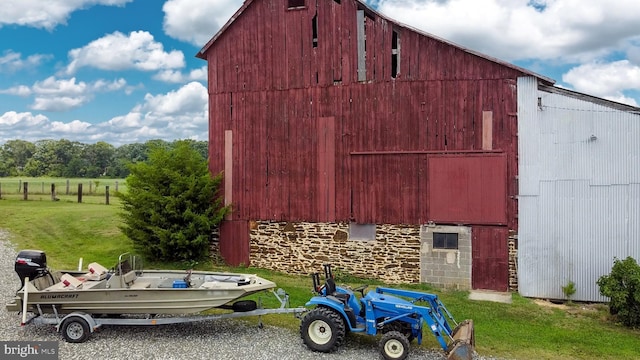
{"x": 394, "y": 346}
{"x": 401, "y": 327}
{"x": 75, "y": 330}
{"x": 322, "y": 330}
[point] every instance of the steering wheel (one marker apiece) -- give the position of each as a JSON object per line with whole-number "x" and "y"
{"x": 187, "y": 278}
{"x": 361, "y": 289}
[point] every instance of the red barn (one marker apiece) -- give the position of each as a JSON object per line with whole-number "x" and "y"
{"x": 349, "y": 138}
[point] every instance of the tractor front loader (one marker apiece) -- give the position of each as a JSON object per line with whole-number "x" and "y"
{"x": 390, "y": 312}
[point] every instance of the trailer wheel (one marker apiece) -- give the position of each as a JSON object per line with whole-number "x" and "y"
{"x": 244, "y": 306}
{"x": 394, "y": 346}
{"x": 322, "y": 329}
{"x": 75, "y": 330}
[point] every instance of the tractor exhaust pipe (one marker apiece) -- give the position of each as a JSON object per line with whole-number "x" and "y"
{"x": 463, "y": 345}
{"x": 316, "y": 282}
{"x": 328, "y": 274}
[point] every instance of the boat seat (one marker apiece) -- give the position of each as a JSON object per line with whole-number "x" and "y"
{"x": 70, "y": 282}
{"x": 129, "y": 277}
{"x": 96, "y": 268}
{"x": 130, "y": 281}
{"x": 96, "y": 272}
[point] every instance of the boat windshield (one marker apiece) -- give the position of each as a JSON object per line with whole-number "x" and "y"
{"x": 128, "y": 262}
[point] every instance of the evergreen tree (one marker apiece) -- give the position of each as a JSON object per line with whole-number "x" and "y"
{"x": 172, "y": 204}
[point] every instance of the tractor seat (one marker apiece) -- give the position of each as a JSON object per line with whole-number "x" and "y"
{"x": 331, "y": 291}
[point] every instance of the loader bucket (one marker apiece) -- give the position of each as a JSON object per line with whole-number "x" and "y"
{"x": 463, "y": 345}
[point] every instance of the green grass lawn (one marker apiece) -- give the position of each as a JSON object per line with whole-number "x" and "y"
{"x": 521, "y": 330}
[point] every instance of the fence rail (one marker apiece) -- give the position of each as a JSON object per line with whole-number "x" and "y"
{"x": 57, "y": 189}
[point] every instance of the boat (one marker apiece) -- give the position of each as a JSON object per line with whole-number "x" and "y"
{"x": 127, "y": 288}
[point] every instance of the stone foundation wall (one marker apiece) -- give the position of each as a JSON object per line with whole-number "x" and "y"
{"x": 214, "y": 246}
{"x": 513, "y": 262}
{"x": 302, "y": 248}
{"x": 393, "y": 257}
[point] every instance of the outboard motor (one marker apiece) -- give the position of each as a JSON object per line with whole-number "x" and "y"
{"x": 31, "y": 263}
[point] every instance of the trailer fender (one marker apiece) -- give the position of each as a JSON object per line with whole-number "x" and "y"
{"x": 93, "y": 325}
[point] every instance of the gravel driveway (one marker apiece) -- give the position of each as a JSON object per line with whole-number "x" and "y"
{"x": 219, "y": 339}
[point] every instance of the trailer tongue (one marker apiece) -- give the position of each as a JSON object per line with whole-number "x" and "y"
{"x": 391, "y": 312}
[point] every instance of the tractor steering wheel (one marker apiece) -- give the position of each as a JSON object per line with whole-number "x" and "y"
{"x": 361, "y": 289}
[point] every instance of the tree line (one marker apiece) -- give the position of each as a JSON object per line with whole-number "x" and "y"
{"x": 73, "y": 159}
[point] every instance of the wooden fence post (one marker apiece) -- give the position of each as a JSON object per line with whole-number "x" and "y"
{"x": 25, "y": 196}
{"x": 116, "y": 186}
{"x": 106, "y": 190}
{"x": 90, "y": 187}
{"x": 67, "y": 193}
{"x": 53, "y": 192}
{"x": 0, "y": 190}
{"x": 19, "y": 186}
{"x": 80, "y": 193}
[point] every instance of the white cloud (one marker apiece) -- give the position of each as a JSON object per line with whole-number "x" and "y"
{"x": 58, "y": 103}
{"x": 53, "y": 86}
{"x": 605, "y": 79}
{"x": 32, "y": 127}
{"x": 572, "y": 30}
{"x": 19, "y": 90}
{"x": 191, "y": 98}
{"x": 196, "y": 21}
{"x": 74, "y": 127}
{"x": 178, "y": 114}
{"x": 138, "y": 51}
{"x": 12, "y": 61}
{"x": 59, "y": 94}
{"x": 54, "y": 94}
{"x": 46, "y": 14}
{"x": 173, "y": 76}
{"x": 21, "y": 120}
{"x": 103, "y": 85}
{"x": 128, "y": 121}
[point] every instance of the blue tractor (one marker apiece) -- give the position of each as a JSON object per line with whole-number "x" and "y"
{"x": 393, "y": 313}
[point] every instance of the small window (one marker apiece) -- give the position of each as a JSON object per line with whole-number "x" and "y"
{"x": 296, "y": 4}
{"x": 362, "y": 45}
{"x": 362, "y": 232}
{"x": 314, "y": 30}
{"x": 395, "y": 54}
{"x": 445, "y": 241}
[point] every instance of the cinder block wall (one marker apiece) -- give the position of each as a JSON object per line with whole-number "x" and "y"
{"x": 450, "y": 268}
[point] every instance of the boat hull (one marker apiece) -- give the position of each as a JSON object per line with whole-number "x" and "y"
{"x": 113, "y": 296}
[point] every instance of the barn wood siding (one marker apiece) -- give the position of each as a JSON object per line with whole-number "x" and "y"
{"x": 271, "y": 87}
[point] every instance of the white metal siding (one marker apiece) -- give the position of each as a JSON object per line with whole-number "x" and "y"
{"x": 579, "y": 195}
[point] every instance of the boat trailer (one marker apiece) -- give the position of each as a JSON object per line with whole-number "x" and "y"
{"x": 77, "y": 327}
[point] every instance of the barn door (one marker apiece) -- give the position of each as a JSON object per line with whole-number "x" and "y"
{"x": 490, "y": 258}
{"x": 234, "y": 242}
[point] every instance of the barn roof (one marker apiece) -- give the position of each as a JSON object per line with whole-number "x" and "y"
{"x": 590, "y": 98}
{"x": 247, "y": 3}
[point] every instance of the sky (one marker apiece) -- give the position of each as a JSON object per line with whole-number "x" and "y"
{"x": 125, "y": 71}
